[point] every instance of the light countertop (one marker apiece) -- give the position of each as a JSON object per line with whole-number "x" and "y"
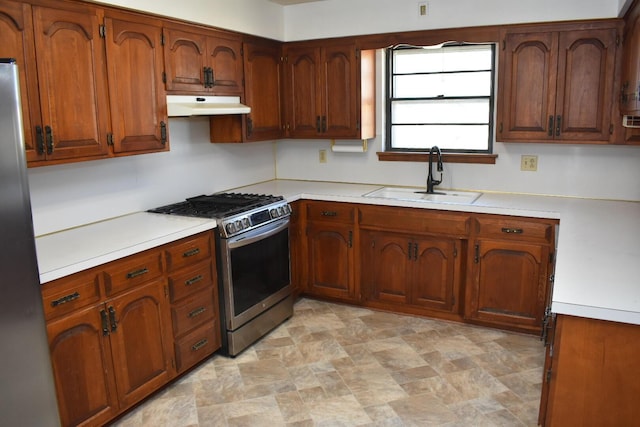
{"x": 70, "y": 251}
{"x": 598, "y": 248}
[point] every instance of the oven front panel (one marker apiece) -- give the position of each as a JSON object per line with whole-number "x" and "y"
{"x": 257, "y": 273}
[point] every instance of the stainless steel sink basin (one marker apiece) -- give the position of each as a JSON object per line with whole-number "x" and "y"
{"x": 411, "y": 194}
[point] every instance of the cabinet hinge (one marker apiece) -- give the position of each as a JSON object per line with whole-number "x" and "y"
{"x": 617, "y": 39}
{"x": 552, "y": 278}
{"x": 548, "y": 375}
{"x": 455, "y": 251}
{"x": 164, "y": 77}
{"x": 102, "y": 31}
{"x": 110, "y": 139}
{"x": 166, "y": 291}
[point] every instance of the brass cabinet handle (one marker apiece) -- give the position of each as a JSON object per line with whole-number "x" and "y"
{"x": 476, "y": 258}
{"x": 558, "y": 120}
{"x": 197, "y": 312}
{"x": 191, "y": 252}
{"x": 136, "y": 273}
{"x": 49, "y": 138}
{"x": 65, "y": 299}
{"x": 197, "y": 346}
{"x": 163, "y": 133}
{"x": 193, "y": 280}
{"x": 512, "y": 230}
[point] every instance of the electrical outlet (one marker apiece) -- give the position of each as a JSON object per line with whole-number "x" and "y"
{"x": 423, "y": 9}
{"x": 322, "y": 156}
{"x": 529, "y": 163}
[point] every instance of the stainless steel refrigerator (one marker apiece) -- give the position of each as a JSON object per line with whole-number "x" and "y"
{"x": 27, "y": 390}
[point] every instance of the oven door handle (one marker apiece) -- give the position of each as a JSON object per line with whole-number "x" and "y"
{"x": 257, "y": 234}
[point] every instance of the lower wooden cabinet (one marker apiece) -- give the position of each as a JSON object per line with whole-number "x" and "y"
{"x": 112, "y": 337}
{"x": 404, "y": 269}
{"x": 591, "y": 374}
{"x": 510, "y": 268}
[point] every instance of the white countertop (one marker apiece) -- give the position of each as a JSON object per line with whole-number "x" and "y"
{"x": 597, "y": 263}
{"x": 598, "y": 249}
{"x": 70, "y": 251}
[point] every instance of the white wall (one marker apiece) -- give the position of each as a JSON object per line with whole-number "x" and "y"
{"x": 258, "y": 17}
{"x": 609, "y": 172}
{"x": 353, "y": 17}
{"x": 65, "y": 196}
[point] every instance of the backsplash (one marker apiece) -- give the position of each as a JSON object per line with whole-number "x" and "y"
{"x": 65, "y": 196}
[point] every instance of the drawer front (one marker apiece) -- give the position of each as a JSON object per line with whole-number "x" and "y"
{"x": 512, "y": 228}
{"x": 193, "y": 311}
{"x": 197, "y": 345}
{"x": 70, "y": 293}
{"x": 132, "y": 271}
{"x": 334, "y": 212}
{"x": 414, "y": 220}
{"x": 188, "y": 251}
{"x": 189, "y": 280}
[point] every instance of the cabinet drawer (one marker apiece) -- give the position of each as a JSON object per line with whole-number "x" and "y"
{"x": 197, "y": 345}
{"x": 70, "y": 293}
{"x": 414, "y": 220}
{"x": 131, "y": 271}
{"x": 188, "y": 251}
{"x": 334, "y": 212}
{"x": 189, "y": 280}
{"x": 193, "y": 311}
{"x": 512, "y": 228}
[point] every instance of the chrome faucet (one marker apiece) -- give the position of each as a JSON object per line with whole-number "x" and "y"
{"x": 431, "y": 182}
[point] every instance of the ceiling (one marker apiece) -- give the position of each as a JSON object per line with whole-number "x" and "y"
{"x": 290, "y": 2}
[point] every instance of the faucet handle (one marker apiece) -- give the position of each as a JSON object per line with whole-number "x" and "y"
{"x": 437, "y": 181}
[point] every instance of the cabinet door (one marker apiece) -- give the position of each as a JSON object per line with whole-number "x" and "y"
{"x": 141, "y": 341}
{"x": 225, "y": 59}
{"x": 72, "y": 81}
{"x": 433, "y": 273}
{"x": 263, "y": 77}
{"x": 510, "y": 284}
{"x": 341, "y": 91}
{"x": 16, "y": 33}
{"x": 386, "y": 263}
{"x": 81, "y": 359}
{"x": 185, "y": 56}
{"x": 302, "y": 95}
{"x": 136, "y": 91}
{"x": 331, "y": 260}
{"x": 586, "y": 65}
{"x": 528, "y": 69}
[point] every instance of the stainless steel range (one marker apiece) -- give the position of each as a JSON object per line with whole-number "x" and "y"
{"x": 253, "y": 259}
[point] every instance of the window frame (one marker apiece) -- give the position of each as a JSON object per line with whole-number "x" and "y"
{"x": 389, "y": 76}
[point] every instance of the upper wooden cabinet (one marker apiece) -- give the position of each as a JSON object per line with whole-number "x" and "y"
{"x": 136, "y": 90}
{"x": 630, "y": 81}
{"x": 329, "y": 91}
{"x": 263, "y": 74}
{"x": 558, "y": 86}
{"x": 201, "y": 61}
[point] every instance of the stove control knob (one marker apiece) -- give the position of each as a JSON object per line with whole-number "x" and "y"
{"x": 286, "y": 209}
{"x": 280, "y": 211}
{"x": 273, "y": 213}
{"x": 246, "y": 223}
{"x": 231, "y": 228}
{"x": 239, "y": 225}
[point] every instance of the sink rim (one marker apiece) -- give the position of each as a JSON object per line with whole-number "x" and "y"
{"x": 445, "y": 196}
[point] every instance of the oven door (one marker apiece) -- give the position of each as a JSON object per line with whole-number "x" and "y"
{"x": 255, "y": 272}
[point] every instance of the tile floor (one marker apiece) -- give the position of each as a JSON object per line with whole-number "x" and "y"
{"x": 335, "y": 365}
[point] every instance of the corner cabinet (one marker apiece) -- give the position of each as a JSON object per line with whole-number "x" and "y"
{"x": 411, "y": 259}
{"x": 329, "y": 91}
{"x": 110, "y": 329}
{"x": 330, "y": 235}
{"x": 510, "y": 264}
{"x": 201, "y": 61}
{"x": 557, "y": 83}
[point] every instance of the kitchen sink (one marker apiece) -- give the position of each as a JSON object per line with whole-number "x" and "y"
{"x": 411, "y": 194}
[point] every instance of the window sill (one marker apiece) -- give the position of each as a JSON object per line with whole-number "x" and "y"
{"x": 395, "y": 156}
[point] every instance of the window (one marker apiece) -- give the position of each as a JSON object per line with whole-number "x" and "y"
{"x": 440, "y": 95}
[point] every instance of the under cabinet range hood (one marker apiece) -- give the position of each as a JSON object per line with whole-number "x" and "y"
{"x": 189, "y": 105}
